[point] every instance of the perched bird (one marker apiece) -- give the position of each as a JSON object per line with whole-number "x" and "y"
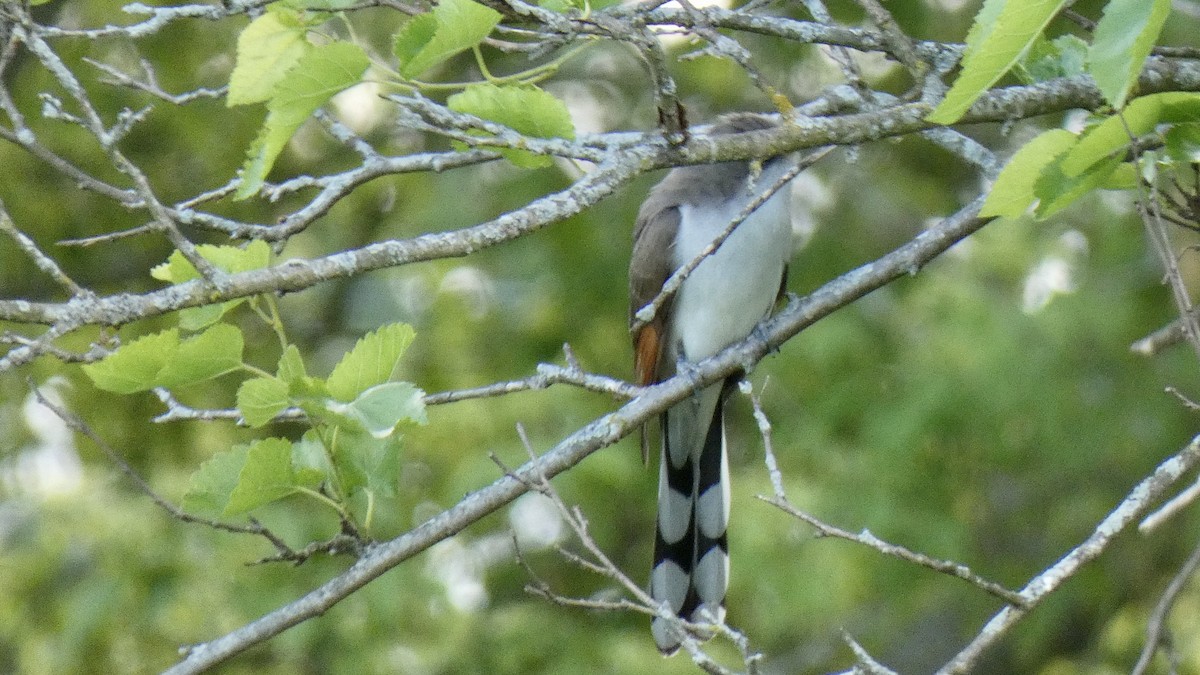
{"x": 719, "y": 303}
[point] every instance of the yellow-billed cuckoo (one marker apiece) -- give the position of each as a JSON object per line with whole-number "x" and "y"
{"x": 720, "y": 302}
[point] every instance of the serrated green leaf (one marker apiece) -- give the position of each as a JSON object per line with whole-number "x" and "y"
{"x": 994, "y": 51}
{"x": 232, "y": 259}
{"x": 1013, "y": 190}
{"x": 383, "y": 407}
{"x": 413, "y": 36}
{"x": 1122, "y": 40}
{"x": 210, "y": 354}
{"x": 365, "y": 462}
{"x": 291, "y": 365}
{"x": 266, "y": 50}
{"x": 1065, "y": 56}
{"x": 261, "y": 399}
{"x": 162, "y": 360}
{"x": 461, "y": 25}
{"x": 136, "y": 365}
{"x": 982, "y": 26}
{"x": 316, "y": 77}
{"x": 197, "y": 318}
{"x": 211, "y": 484}
{"x": 1140, "y": 117}
{"x": 372, "y": 361}
{"x": 1056, "y": 190}
{"x": 310, "y": 460}
{"x": 526, "y": 109}
{"x": 265, "y": 477}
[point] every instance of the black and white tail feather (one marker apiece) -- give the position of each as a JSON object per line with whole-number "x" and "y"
{"x": 691, "y": 553}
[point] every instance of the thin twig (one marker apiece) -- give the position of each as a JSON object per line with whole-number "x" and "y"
{"x": 866, "y": 663}
{"x": 43, "y": 262}
{"x": 1170, "y": 509}
{"x": 74, "y": 422}
{"x": 1156, "y": 628}
{"x": 902, "y": 46}
{"x": 865, "y": 538}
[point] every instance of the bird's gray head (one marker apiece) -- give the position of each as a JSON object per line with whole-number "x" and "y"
{"x": 724, "y": 180}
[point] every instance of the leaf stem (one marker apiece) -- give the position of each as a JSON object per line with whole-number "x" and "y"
{"x": 331, "y": 503}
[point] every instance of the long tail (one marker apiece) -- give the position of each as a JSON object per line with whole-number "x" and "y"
{"x": 691, "y": 557}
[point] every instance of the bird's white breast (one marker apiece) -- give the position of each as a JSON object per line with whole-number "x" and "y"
{"x": 734, "y": 288}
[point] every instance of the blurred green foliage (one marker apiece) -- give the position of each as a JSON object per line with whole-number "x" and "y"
{"x": 957, "y": 412}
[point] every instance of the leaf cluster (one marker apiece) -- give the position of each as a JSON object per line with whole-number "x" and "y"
{"x": 352, "y": 419}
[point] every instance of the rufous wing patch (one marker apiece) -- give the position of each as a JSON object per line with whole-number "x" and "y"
{"x": 647, "y": 349}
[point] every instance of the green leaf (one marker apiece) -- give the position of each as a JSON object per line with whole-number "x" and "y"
{"x": 1182, "y": 143}
{"x": 266, "y": 50}
{"x": 372, "y": 361}
{"x": 1123, "y": 39}
{"x": 310, "y": 461}
{"x": 993, "y": 51}
{"x": 210, "y": 354}
{"x": 460, "y": 25}
{"x": 266, "y": 476}
{"x": 367, "y": 462}
{"x": 1013, "y": 191}
{"x": 1057, "y": 190}
{"x": 413, "y": 36}
{"x": 316, "y": 77}
{"x": 197, "y": 318}
{"x": 1124, "y": 177}
{"x": 213, "y": 483}
{"x": 291, "y": 366}
{"x": 162, "y": 360}
{"x": 232, "y": 259}
{"x": 1140, "y": 117}
{"x": 261, "y": 399}
{"x": 1046, "y": 60}
{"x": 984, "y": 24}
{"x": 526, "y": 109}
{"x": 135, "y": 365}
{"x": 383, "y": 407}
